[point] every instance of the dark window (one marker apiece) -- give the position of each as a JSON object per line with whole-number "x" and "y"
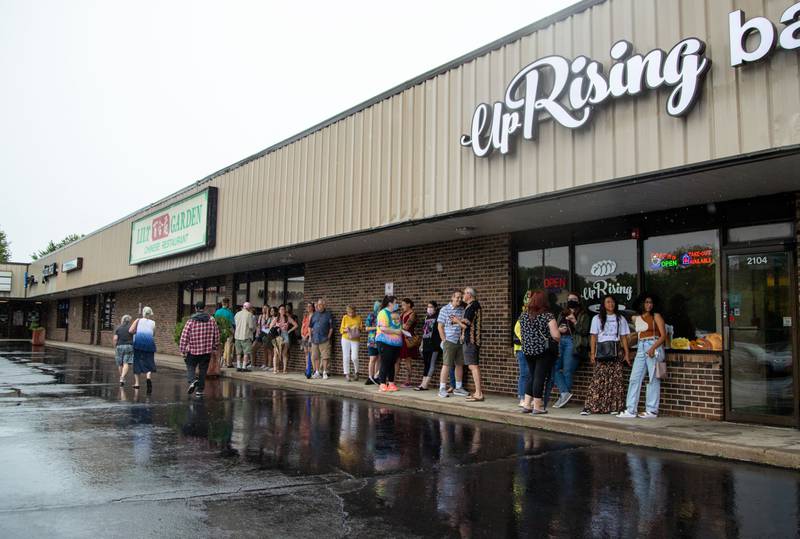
{"x": 89, "y": 312}
{"x": 240, "y": 292}
{"x": 276, "y": 287}
{"x": 607, "y": 268}
{"x": 683, "y": 270}
{"x": 107, "y": 315}
{"x": 258, "y": 290}
{"x": 295, "y": 292}
{"x": 546, "y": 269}
{"x": 62, "y": 313}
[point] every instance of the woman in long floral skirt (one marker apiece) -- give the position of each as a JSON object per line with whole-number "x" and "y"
{"x": 609, "y": 333}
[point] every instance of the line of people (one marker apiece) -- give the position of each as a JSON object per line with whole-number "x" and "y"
{"x": 550, "y": 349}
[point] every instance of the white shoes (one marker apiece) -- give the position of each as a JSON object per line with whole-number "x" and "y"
{"x": 316, "y": 375}
{"x": 648, "y": 415}
{"x": 626, "y": 415}
{"x": 325, "y": 375}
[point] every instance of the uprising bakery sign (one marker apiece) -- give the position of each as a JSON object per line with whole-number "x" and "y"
{"x": 569, "y": 91}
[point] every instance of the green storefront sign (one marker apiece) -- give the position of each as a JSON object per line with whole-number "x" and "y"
{"x": 187, "y": 225}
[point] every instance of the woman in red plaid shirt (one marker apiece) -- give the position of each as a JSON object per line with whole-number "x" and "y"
{"x": 199, "y": 339}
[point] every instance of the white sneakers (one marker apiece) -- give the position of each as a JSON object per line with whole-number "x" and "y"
{"x": 325, "y": 375}
{"x": 644, "y": 415}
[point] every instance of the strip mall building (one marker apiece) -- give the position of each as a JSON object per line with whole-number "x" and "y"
{"x": 616, "y": 146}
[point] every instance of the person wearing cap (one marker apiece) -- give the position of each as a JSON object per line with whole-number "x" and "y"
{"x": 199, "y": 339}
{"x": 245, "y": 326}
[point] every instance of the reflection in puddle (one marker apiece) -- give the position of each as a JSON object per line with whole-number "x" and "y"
{"x": 251, "y": 453}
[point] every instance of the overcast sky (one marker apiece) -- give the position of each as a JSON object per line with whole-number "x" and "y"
{"x": 107, "y": 106}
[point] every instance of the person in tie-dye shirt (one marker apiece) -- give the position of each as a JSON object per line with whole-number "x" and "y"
{"x": 390, "y": 341}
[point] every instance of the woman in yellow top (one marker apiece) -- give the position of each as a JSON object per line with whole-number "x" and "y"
{"x": 351, "y": 329}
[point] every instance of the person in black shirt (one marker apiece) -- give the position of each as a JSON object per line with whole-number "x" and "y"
{"x": 431, "y": 344}
{"x": 471, "y": 330}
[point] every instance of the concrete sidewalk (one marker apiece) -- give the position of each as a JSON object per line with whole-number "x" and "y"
{"x": 751, "y": 443}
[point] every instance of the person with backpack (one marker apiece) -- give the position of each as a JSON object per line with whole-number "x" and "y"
{"x": 540, "y": 338}
{"x": 609, "y": 340}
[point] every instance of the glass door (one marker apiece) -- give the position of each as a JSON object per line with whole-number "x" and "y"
{"x": 760, "y": 319}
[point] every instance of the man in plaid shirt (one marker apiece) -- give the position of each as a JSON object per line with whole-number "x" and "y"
{"x": 199, "y": 339}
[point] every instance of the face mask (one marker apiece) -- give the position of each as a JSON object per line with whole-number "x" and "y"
{"x": 396, "y": 307}
{"x": 430, "y": 310}
{"x": 573, "y": 304}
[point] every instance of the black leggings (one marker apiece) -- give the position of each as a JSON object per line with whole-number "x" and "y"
{"x": 429, "y": 357}
{"x": 539, "y": 368}
{"x": 389, "y": 355}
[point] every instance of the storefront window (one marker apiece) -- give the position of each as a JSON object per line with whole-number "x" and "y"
{"x": 546, "y": 269}
{"x": 295, "y": 291}
{"x": 107, "y": 314}
{"x": 607, "y": 268}
{"x": 275, "y": 287}
{"x": 89, "y": 315}
{"x": 62, "y": 313}
{"x": 241, "y": 291}
{"x": 257, "y": 291}
{"x": 683, "y": 270}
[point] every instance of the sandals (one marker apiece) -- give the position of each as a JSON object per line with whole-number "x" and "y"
{"x": 473, "y": 398}
{"x": 420, "y": 388}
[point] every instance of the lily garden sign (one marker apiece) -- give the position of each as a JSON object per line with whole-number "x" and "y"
{"x": 569, "y": 91}
{"x": 187, "y": 225}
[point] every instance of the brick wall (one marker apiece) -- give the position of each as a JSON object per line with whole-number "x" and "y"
{"x": 424, "y": 273}
{"x": 163, "y": 299}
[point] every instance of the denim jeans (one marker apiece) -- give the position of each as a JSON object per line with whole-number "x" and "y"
{"x": 524, "y": 374}
{"x": 565, "y": 365}
{"x": 195, "y": 364}
{"x": 563, "y": 369}
{"x": 643, "y": 363}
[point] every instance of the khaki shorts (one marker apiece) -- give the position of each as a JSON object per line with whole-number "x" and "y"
{"x": 243, "y": 346}
{"x": 453, "y": 354}
{"x": 321, "y": 350}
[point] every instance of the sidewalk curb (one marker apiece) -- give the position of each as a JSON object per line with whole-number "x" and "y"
{"x": 618, "y": 434}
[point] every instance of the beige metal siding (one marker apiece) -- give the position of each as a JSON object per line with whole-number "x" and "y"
{"x": 400, "y": 160}
{"x": 17, "y": 280}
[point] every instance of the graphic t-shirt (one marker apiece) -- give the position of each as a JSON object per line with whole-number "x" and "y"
{"x": 431, "y": 340}
{"x": 609, "y": 331}
{"x": 372, "y": 319}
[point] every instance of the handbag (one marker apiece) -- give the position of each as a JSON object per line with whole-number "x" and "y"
{"x": 661, "y": 364}
{"x": 607, "y": 351}
{"x": 413, "y": 341}
{"x": 661, "y": 370}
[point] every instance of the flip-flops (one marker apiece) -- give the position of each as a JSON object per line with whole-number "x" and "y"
{"x": 473, "y": 398}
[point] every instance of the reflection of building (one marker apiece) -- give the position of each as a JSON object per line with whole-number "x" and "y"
{"x": 408, "y": 176}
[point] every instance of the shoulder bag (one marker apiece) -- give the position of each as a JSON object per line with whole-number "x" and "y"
{"x": 608, "y": 351}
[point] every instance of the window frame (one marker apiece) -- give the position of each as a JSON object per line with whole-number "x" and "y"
{"x": 88, "y": 312}
{"x": 107, "y": 321}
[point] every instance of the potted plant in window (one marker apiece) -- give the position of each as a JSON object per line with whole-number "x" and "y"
{"x": 37, "y": 334}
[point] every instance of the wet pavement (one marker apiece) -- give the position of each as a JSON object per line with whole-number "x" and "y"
{"x": 80, "y": 456}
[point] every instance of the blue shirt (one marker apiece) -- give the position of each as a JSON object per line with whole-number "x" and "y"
{"x": 452, "y": 332}
{"x": 225, "y": 313}
{"x": 321, "y": 324}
